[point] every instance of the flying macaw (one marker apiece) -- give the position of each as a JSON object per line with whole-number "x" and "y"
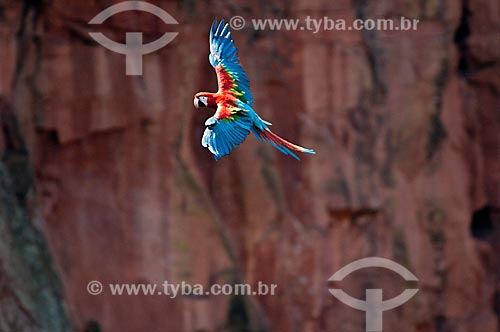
{"x": 234, "y": 117}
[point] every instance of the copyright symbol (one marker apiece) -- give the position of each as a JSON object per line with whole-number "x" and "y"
{"x": 94, "y": 288}
{"x": 237, "y": 22}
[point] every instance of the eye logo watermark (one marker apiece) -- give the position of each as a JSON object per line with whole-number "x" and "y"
{"x": 374, "y": 305}
{"x": 133, "y": 48}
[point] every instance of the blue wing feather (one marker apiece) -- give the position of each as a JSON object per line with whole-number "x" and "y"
{"x": 222, "y": 136}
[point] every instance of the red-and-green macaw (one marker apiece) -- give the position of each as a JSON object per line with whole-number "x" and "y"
{"x": 234, "y": 117}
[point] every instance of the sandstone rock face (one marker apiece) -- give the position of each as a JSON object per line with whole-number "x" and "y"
{"x": 406, "y": 129}
{"x": 31, "y": 299}
{"x": 30, "y": 290}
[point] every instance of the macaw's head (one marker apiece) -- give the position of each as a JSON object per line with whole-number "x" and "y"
{"x": 204, "y": 99}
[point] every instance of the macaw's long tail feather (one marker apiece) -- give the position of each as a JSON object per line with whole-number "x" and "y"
{"x": 280, "y": 143}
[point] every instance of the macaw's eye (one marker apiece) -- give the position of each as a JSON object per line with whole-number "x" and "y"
{"x": 204, "y": 99}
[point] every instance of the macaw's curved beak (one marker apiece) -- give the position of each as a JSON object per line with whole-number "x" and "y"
{"x": 199, "y": 103}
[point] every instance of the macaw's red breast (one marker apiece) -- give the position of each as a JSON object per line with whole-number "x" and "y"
{"x": 223, "y": 112}
{"x": 227, "y": 102}
{"x": 225, "y": 98}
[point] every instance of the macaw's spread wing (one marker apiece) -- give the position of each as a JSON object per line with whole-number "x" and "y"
{"x": 233, "y": 119}
{"x": 224, "y": 133}
{"x": 224, "y": 58}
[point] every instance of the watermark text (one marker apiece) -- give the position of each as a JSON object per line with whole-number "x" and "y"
{"x": 325, "y": 23}
{"x": 183, "y": 288}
